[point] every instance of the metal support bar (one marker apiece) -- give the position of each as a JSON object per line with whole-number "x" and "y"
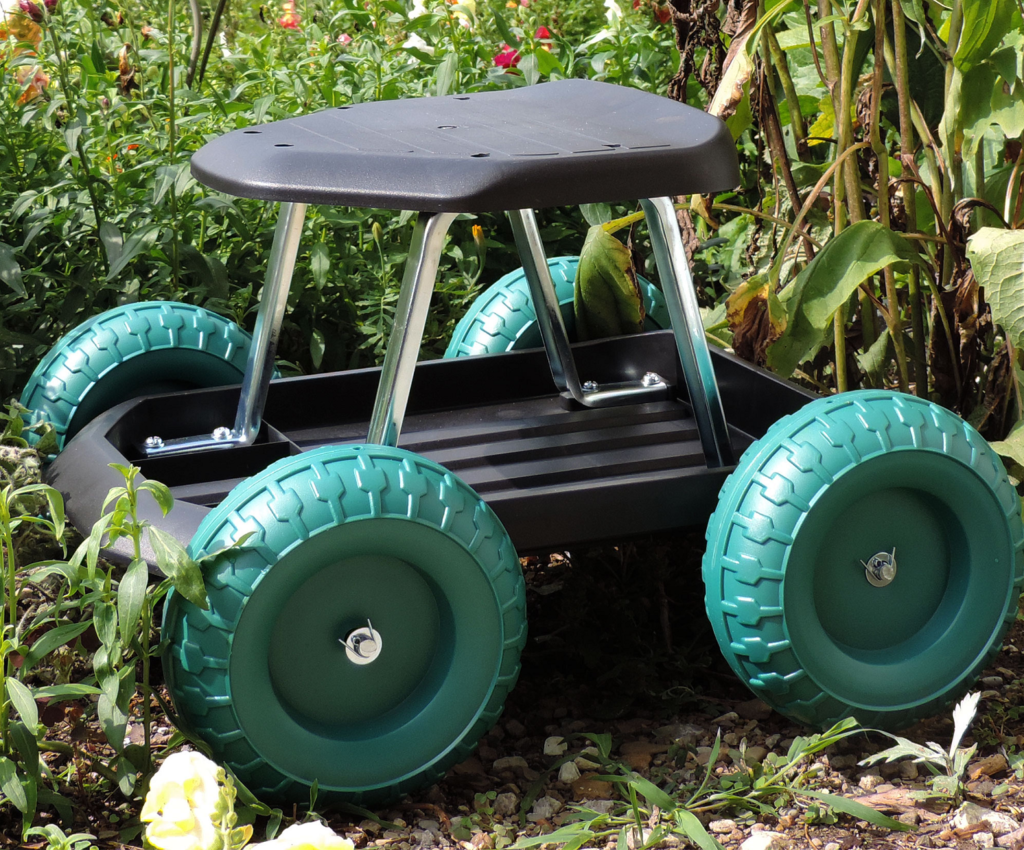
{"x": 688, "y": 328}
{"x": 545, "y": 302}
{"x": 553, "y": 332}
{"x": 260, "y": 366}
{"x": 407, "y": 333}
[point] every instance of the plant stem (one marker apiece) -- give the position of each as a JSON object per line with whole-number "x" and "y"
{"x": 907, "y": 148}
{"x": 781, "y": 65}
{"x": 884, "y": 213}
{"x": 172, "y": 194}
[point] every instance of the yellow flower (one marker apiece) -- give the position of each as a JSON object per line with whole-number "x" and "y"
{"x": 16, "y": 24}
{"x": 308, "y": 836}
{"x": 187, "y": 804}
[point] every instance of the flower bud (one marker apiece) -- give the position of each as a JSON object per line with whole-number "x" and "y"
{"x": 32, "y": 10}
{"x": 51, "y": 5}
{"x": 378, "y": 232}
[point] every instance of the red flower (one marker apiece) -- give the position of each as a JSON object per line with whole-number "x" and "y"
{"x": 290, "y": 19}
{"x": 542, "y": 32}
{"x": 31, "y": 10}
{"x": 507, "y": 58}
{"x": 663, "y": 14}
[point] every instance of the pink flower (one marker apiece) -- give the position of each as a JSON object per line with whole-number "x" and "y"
{"x": 542, "y": 32}
{"x": 344, "y": 38}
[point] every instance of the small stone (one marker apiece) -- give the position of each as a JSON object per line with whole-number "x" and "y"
{"x": 637, "y": 837}
{"x": 754, "y": 709}
{"x": 585, "y": 763}
{"x": 908, "y": 770}
{"x": 684, "y": 734}
{"x": 637, "y": 754}
{"x": 763, "y": 841}
{"x": 602, "y": 807}
{"x": 510, "y": 763}
{"x": 771, "y": 741}
{"x": 992, "y": 681}
{"x": 704, "y": 755}
{"x": 515, "y": 728}
{"x": 832, "y": 845}
{"x": 910, "y": 818}
{"x": 721, "y": 827}
{"x": 568, "y": 773}
{"x": 369, "y": 826}
{"x": 430, "y": 825}
{"x": 869, "y": 781}
{"x": 984, "y": 839}
{"x": 544, "y": 809}
{"x": 423, "y": 838}
{"x": 589, "y": 787}
{"x": 554, "y": 746}
{"x": 505, "y": 804}
{"x": 971, "y": 814}
{"x": 728, "y": 719}
{"x": 730, "y": 739}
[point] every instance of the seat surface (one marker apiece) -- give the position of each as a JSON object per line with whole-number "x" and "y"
{"x": 553, "y": 144}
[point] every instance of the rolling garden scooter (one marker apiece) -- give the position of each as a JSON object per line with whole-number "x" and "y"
{"x": 864, "y": 558}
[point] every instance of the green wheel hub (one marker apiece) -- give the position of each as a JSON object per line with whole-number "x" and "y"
{"x": 502, "y": 317}
{"x": 798, "y": 613}
{"x": 130, "y": 351}
{"x": 349, "y": 539}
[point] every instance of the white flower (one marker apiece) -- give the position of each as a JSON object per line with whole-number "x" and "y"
{"x": 308, "y": 836}
{"x": 419, "y": 7}
{"x": 415, "y": 41}
{"x": 963, "y": 714}
{"x": 185, "y": 804}
{"x": 613, "y": 13}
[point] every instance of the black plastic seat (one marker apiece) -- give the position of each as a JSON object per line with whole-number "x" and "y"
{"x": 553, "y": 144}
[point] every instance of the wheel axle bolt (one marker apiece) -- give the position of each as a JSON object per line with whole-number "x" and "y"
{"x": 650, "y": 379}
{"x": 222, "y": 433}
{"x": 154, "y": 442}
{"x": 881, "y": 569}
{"x": 363, "y": 645}
{"x": 590, "y": 386}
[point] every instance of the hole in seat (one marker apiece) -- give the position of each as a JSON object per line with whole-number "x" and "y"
{"x": 462, "y": 98}
{"x": 447, "y": 127}
{"x": 252, "y": 132}
{"x": 283, "y": 145}
{"x": 479, "y": 154}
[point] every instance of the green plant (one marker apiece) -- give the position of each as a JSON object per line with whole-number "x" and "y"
{"x": 651, "y": 812}
{"x": 57, "y": 840}
{"x": 953, "y": 761}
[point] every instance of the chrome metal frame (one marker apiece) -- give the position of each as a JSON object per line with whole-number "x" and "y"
{"x": 681, "y": 299}
{"x": 407, "y": 333}
{"x": 259, "y": 368}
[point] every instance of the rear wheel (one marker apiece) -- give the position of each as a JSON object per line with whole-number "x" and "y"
{"x": 130, "y": 351}
{"x": 502, "y": 317}
{"x": 865, "y": 559}
{"x": 364, "y": 638}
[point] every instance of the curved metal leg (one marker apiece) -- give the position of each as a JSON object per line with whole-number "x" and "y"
{"x": 407, "y": 333}
{"x": 694, "y": 356}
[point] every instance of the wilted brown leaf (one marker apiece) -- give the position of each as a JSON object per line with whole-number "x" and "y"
{"x": 756, "y": 317}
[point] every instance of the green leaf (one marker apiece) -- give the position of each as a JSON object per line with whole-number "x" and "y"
{"x": 652, "y": 793}
{"x": 131, "y": 596}
{"x": 688, "y": 825}
{"x": 997, "y": 258}
{"x": 503, "y": 28}
{"x": 827, "y": 283}
{"x": 986, "y": 24}
{"x": 113, "y": 242}
{"x": 855, "y": 809}
{"x": 161, "y": 493}
{"x": 174, "y": 562}
{"x": 317, "y": 346}
{"x": 58, "y": 693}
{"x": 11, "y": 785}
{"x": 104, "y": 618}
{"x": 10, "y": 271}
{"x": 137, "y": 243}
{"x": 28, "y": 749}
{"x": 561, "y": 835}
{"x": 320, "y": 263}
{"x": 24, "y": 702}
{"x": 444, "y": 76}
{"x": 596, "y": 214}
{"x": 50, "y": 641}
{"x": 607, "y": 299}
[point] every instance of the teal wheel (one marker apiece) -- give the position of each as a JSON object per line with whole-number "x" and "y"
{"x": 502, "y": 317}
{"x": 865, "y": 559}
{"x": 352, "y": 545}
{"x": 130, "y": 351}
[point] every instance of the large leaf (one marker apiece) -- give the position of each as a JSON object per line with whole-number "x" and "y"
{"x": 11, "y": 785}
{"x": 175, "y": 563}
{"x": 50, "y": 641}
{"x": 821, "y": 289}
{"x": 688, "y": 825}
{"x": 986, "y": 24}
{"x": 855, "y": 809}
{"x": 607, "y": 299}
{"x": 24, "y": 702}
{"x": 10, "y": 271}
{"x": 131, "y": 595}
{"x": 997, "y": 258}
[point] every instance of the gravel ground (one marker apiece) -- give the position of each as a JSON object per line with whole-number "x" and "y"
{"x": 619, "y": 646}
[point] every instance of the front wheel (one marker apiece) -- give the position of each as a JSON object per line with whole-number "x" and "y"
{"x": 363, "y": 639}
{"x": 865, "y": 559}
